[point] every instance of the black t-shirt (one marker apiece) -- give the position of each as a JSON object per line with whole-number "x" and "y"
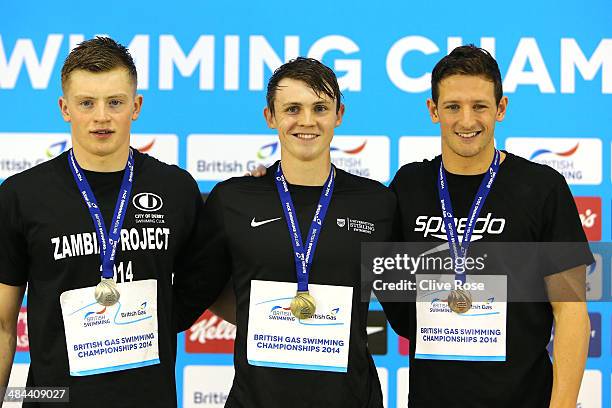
{"x": 45, "y": 227}
{"x": 527, "y": 203}
{"x": 265, "y": 253}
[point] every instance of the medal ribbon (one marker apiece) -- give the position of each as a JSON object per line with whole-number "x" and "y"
{"x": 303, "y": 256}
{"x": 108, "y": 241}
{"x": 459, "y": 249}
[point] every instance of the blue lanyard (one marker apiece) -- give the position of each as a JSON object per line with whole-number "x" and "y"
{"x": 457, "y": 249}
{"x": 303, "y": 256}
{"x": 107, "y": 255}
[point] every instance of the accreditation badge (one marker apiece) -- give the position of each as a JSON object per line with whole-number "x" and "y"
{"x": 277, "y": 338}
{"x": 103, "y": 339}
{"x": 479, "y": 334}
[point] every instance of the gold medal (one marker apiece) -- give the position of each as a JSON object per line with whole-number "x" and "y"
{"x": 459, "y": 301}
{"x": 303, "y": 305}
{"x": 106, "y": 292}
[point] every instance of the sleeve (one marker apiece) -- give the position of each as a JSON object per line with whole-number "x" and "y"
{"x": 204, "y": 265}
{"x": 13, "y": 246}
{"x": 398, "y": 312}
{"x": 564, "y": 242}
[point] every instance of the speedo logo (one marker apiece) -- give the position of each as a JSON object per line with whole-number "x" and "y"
{"x": 434, "y": 226}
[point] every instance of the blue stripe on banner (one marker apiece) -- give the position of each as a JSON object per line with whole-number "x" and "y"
{"x": 459, "y": 357}
{"x": 297, "y": 366}
{"x": 115, "y": 368}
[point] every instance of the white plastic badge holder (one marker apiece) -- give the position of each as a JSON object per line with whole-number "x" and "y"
{"x": 276, "y": 338}
{"x": 120, "y": 337}
{"x": 476, "y": 335}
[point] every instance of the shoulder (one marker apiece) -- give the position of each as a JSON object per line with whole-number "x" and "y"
{"x": 169, "y": 174}
{"x": 37, "y": 175}
{"x": 414, "y": 173}
{"x": 351, "y": 184}
{"x": 533, "y": 174}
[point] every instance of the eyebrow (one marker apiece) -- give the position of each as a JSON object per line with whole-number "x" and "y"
{"x": 300, "y": 103}
{"x": 119, "y": 95}
{"x": 476, "y": 101}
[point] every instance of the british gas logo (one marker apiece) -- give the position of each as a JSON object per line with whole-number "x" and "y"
{"x": 56, "y": 149}
{"x": 267, "y": 151}
{"x": 351, "y": 151}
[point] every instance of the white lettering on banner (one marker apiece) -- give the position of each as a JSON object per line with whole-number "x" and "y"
{"x": 133, "y": 239}
{"x": 488, "y": 43}
{"x": 212, "y": 329}
{"x": 262, "y": 55}
{"x": 574, "y": 58}
{"x": 171, "y": 55}
{"x": 261, "y": 52}
{"x": 24, "y": 53}
{"x": 528, "y": 51}
{"x": 351, "y": 81}
{"x": 394, "y": 63}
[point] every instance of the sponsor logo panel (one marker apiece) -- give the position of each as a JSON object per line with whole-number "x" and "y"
{"x": 210, "y": 334}
{"x": 377, "y": 332}
{"x": 23, "y": 341}
{"x": 21, "y": 151}
{"x": 206, "y": 386}
{"x": 590, "y": 390}
{"x": 366, "y": 156}
{"x": 214, "y": 157}
{"x": 383, "y": 376}
{"x": 403, "y": 375}
{"x": 163, "y": 147}
{"x": 404, "y": 346}
{"x": 418, "y": 148}
{"x": 589, "y": 210}
{"x": 579, "y": 160}
{"x": 19, "y": 376}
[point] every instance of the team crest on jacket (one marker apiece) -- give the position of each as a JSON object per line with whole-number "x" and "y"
{"x": 351, "y": 224}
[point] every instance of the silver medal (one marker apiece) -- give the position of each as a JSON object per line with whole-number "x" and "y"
{"x": 106, "y": 292}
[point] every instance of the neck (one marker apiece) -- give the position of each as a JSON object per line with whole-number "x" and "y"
{"x": 467, "y": 166}
{"x": 310, "y": 173}
{"x": 102, "y": 164}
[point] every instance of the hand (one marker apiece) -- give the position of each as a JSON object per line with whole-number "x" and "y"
{"x": 260, "y": 171}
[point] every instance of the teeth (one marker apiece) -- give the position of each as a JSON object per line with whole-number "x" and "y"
{"x": 468, "y": 135}
{"x": 305, "y": 135}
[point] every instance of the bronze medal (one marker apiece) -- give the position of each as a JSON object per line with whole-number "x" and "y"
{"x": 459, "y": 301}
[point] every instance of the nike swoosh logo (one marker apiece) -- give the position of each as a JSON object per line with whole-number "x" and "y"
{"x": 256, "y": 224}
{"x": 375, "y": 329}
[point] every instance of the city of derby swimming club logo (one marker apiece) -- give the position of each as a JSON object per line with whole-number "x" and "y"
{"x": 280, "y": 310}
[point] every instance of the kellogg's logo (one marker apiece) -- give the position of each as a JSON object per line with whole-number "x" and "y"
{"x": 210, "y": 334}
{"x": 23, "y": 341}
{"x": 589, "y": 209}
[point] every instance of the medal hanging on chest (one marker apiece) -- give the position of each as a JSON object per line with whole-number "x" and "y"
{"x": 459, "y": 300}
{"x": 106, "y": 292}
{"x": 303, "y": 305}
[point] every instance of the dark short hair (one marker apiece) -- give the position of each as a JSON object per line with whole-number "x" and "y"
{"x": 467, "y": 60}
{"x": 319, "y": 77}
{"x": 100, "y": 54}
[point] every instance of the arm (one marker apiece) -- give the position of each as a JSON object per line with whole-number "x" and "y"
{"x": 9, "y": 311}
{"x": 572, "y": 332}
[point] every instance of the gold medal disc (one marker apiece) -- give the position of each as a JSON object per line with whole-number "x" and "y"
{"x": 303, "y": 305}
{"x": 459, "y": 301}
